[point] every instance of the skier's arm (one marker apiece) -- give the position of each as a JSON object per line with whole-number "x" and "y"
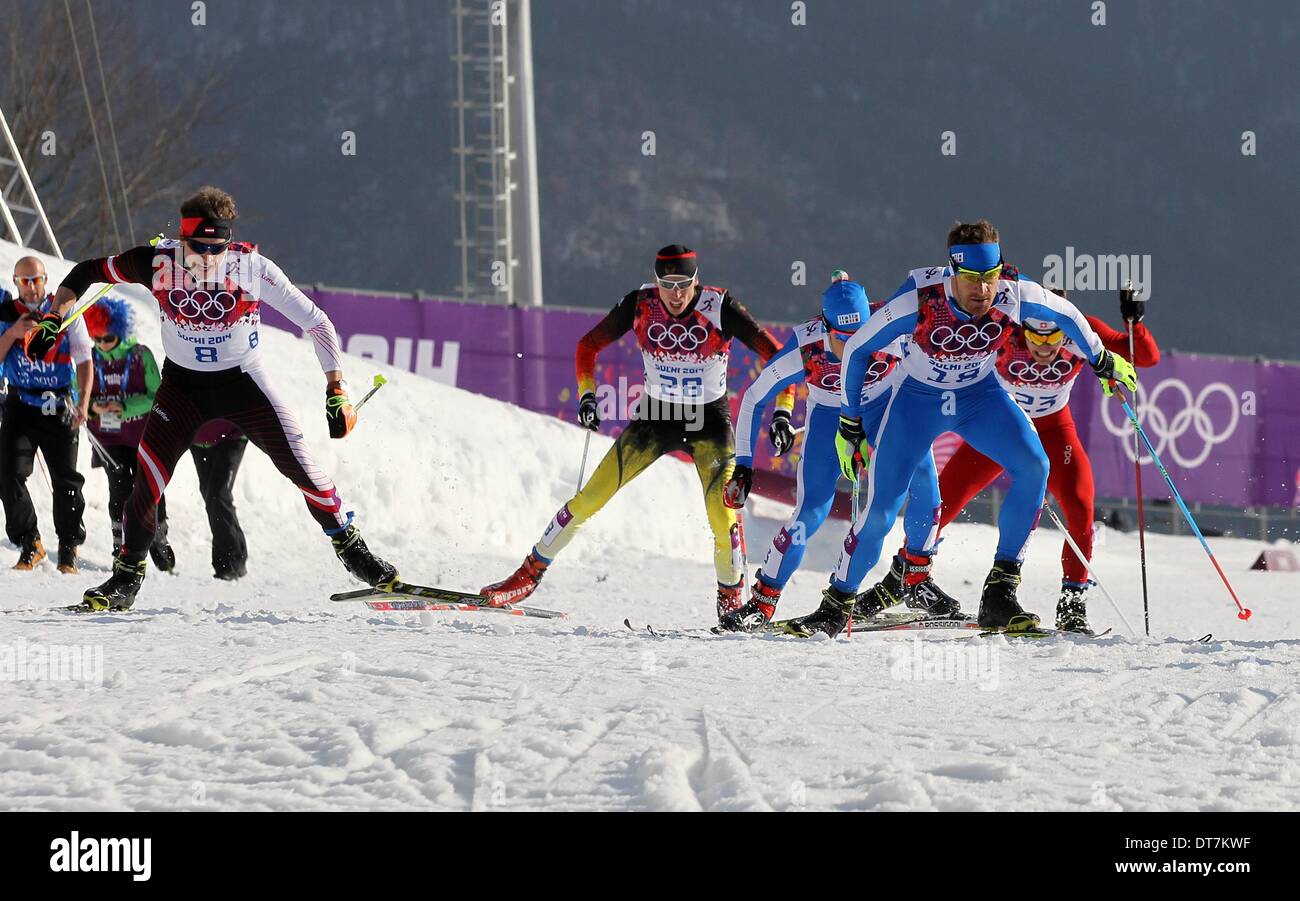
{"x": 739, "y": 323}
{"x": 1145, "y": 351}
{"x": 1037, "y": 302}
{"x": 273, "y": 288}
{"x": 615, "y": 325}
{"x": 886, "y": 325}
{"x": 782, "y": 372}
{"x": 131, "y": 267}
{"x": 137, "y": 405}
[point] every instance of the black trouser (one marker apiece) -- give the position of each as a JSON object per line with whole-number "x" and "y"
{"x": 186, "y": 400}
{"x": 26, "y": 429}
{"x": 217, "y": 465}
{"x": 120, "y": 481}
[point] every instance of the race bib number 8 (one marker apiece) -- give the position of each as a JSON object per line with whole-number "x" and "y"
{"x": 205, "y": 354}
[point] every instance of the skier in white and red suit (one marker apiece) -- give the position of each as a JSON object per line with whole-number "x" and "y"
{"x": 209, "y": 290}
{"x": 1037, "y": 367}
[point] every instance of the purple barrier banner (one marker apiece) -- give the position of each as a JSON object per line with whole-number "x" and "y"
{"x": 1228, "y": 430}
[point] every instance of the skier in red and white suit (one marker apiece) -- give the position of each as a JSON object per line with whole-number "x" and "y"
{"x": 209, "y": 290}
{"x": 1038, "y": 368}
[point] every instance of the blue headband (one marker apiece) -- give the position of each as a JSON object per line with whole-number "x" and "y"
{"x": 977, "y": 257}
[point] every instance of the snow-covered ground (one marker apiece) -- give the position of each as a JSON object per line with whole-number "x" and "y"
{"x": 265, "y": 695}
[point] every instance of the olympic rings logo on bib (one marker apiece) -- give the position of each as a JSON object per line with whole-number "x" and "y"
{"x": 1047, "y": 373}
{"x": 677, "y": 336}
{"x": 202, "y": 304}
{"x": 966, "y": 338}
{"x": 831, "y": 381}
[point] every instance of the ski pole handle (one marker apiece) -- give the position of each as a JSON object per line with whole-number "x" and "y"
{"x": 379, "y": 382}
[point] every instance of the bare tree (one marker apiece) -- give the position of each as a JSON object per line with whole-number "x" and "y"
{"x": 154, "y": 123}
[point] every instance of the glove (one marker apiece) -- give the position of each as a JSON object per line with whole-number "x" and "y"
{"x": 587, "y": 415}
{"x": 736, "y": 491}
{"x": 1112, "y": 368}
{"x": 338, "y": 409}
{"x": 780, "y": 433}
{"x": 848, "y": 444}
{"x": 1130, "y": 307}
{"x": 43, "y": 336}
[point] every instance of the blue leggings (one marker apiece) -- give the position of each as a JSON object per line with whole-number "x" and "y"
{"x": 819, "y": 470}
{"x": 983, "y": 414}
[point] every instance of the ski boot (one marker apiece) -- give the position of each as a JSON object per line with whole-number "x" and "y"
{"x": 518, "y": 585}
{"x": 364, "y": 565}
{"x": 30, "y": 553}
{"x": 830, "y": 618}
{"x": 1072, "y": 609}
{"x": 730, "y": 599}
{"x": 757, "y": 613}
{"x": 68, "y": 559}
{"x": 999, "y": 609}
{"x": 163, "y": 557}
{"x": 920, "y": 591}
{"x": 119, "y": 592}
{"x": 886, "y": 593}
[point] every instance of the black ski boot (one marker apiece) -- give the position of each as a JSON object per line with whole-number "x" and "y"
{"x": 374, "y": 571}
{"x": 757, "y": 612}
{"x": 119, "y": 592}
{"x": 886, "y": 593}
{"x": 999, "y": 608}
{"x": 831, "y": 617}
{"x": 1072, "y": 609}
{"x": 163, "y": 557}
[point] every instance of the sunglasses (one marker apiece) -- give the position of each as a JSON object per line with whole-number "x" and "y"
{"x": 29, "y": 280}
{"x": 988, "y": 276}
{"x": 1054, "y": 338}
{"x": 675, "y": 282}
{"x": 106, "y": 339}
{"x": 206, "y": 248}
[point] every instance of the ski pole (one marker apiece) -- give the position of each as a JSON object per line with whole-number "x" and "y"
{"x": 582, "y": 468}
{"x": 1243, "y": 612}
{"x": 103, "y": 454}
{"x": 1092, "y": 573}
{"x": 77, "y": 313}
{"x": 1137, "y": 470}
{"x": 857, "y": 490}
{"x": 45, "y": 474}
{"x": 378, "y": 383}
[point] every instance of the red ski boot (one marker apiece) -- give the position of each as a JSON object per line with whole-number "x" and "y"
{"x": 518, "y": 586}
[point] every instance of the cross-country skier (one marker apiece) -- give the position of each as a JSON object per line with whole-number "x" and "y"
{"x": 1038, "y": 366}
{"x": 684, "y": 331}
{"x": 209, "y": 289}
{"x": 958, "y": 321}
{"x": 813, "y": 355}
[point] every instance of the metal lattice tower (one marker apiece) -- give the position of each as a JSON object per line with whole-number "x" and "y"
{"x": 499, "y": 243}
{"x": 20, "y": 208}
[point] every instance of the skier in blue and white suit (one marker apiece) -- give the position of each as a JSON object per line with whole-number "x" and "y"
{"x": 812, "y": 355}
{"x": 956, "y": 322}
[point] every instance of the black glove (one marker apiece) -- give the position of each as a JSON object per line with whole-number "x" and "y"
{"x": 587, "y": 415}
{"x": 736, "y": 491}
{"x": 780, "y": 432}
{"x": 42, "y": 338}
{"x": 1130, "y": 307}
